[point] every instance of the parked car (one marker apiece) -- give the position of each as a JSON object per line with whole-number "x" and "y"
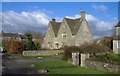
{"x": 1, "y": 49}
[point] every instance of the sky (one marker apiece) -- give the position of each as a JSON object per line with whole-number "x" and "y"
{"x": 20, "y": 17}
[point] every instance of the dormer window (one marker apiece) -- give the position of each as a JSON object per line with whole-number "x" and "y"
{"x": 64, "y": 35}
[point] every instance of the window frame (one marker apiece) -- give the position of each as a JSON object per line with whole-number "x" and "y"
{"x": 118, "y": 44}
{"x": 64, "y": 35}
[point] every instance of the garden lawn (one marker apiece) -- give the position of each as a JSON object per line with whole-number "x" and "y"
{"x": 35, "y": 56}
{"x": 63, "y": 67}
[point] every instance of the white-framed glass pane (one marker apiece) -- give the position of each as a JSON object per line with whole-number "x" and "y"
{"x": 118, "y": 44}
{"x": 64, "y": 35}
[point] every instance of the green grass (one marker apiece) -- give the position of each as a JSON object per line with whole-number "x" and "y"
{"x": 35, "y": 56}
{"x": 63, "y": 67}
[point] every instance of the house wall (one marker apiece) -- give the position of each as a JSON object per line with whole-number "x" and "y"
{"x": 117, "y": 30}
{"x": 11, "y": 39}
{"x": 64, "y": 29}
{"x": 84, "y": 34}
{"x": 49, "y": 37}
{"x": 116, "y": 50}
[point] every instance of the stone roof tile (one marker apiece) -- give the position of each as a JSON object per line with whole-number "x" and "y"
{"x": 74, "y": 25}
{"x": 55, "y": 26}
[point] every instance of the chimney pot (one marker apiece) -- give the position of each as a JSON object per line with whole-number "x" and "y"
{"x": 53, "y": 20}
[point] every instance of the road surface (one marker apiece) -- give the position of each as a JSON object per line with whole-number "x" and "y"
{"x": 19, "y": 65}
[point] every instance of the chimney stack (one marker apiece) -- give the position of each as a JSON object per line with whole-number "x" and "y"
{"x": 83, "y": 14}
{"x": 53, "y": 20}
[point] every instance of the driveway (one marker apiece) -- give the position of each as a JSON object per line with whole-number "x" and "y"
{"x": 19, "y": 65}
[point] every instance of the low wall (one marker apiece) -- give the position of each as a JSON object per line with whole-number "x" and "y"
{"x": 42, "y": 53}
{"x": 102, "y": 66}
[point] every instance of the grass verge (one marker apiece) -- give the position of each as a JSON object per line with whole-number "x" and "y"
{"x": 62, "y": 67}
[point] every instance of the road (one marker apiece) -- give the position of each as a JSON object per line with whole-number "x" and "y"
{"x": 19, "y": 65}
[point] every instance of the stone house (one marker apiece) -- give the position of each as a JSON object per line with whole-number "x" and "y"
{"x": 12, "y": 37}
{"x": 69, "y": 32}
{"x": 116, "y": 40}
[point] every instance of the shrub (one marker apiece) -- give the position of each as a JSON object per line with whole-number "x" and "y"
{"x": 29, "y": 44}
{"x": 68, "y": 51}
{"x": 112, "y": 58}
{"x": 38, "y": 46}
{"x": 109, "y": 58}
{"x": 95, "y": 49}
{"x": 14, "y": 46}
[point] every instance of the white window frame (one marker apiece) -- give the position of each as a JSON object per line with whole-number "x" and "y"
{"x": 118, "y": 44}
{"x": 56, "y": 45}
{"x": 63, "y": 35}
{"x": 63, "y": 44}
{"x": 50, "y": 44}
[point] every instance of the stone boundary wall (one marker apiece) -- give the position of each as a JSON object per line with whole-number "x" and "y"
{"x": 83, "y": 58}
{"x": 42, "y": 53}
{"x": 102, "y": 66}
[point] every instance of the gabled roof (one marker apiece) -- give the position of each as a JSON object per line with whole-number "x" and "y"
{"x": 55, "y": 26}
{"x": 118, "y": 25}
{"x": 10, "y": 35}
{"x": 74, "y": 25}
{"x": 117, "y": 37}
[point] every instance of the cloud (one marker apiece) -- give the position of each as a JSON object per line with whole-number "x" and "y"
{"x": 100, "y": 7}
{"x": 37, "y": 21}
{"x": 73, "y": 17}
{"x": 99, "y": 27}
{"x": 24, "y": 21}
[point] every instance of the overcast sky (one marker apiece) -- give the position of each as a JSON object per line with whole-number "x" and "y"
{"x": 34, "y": 16}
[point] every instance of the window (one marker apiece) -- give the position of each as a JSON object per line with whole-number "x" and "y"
{"x": 50, "y": 44}
{"x": 118, "y": 44}
{"x": 63, "y": 44}
{"x": 57, "y": 44}
{"x": 64, "y": 35}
